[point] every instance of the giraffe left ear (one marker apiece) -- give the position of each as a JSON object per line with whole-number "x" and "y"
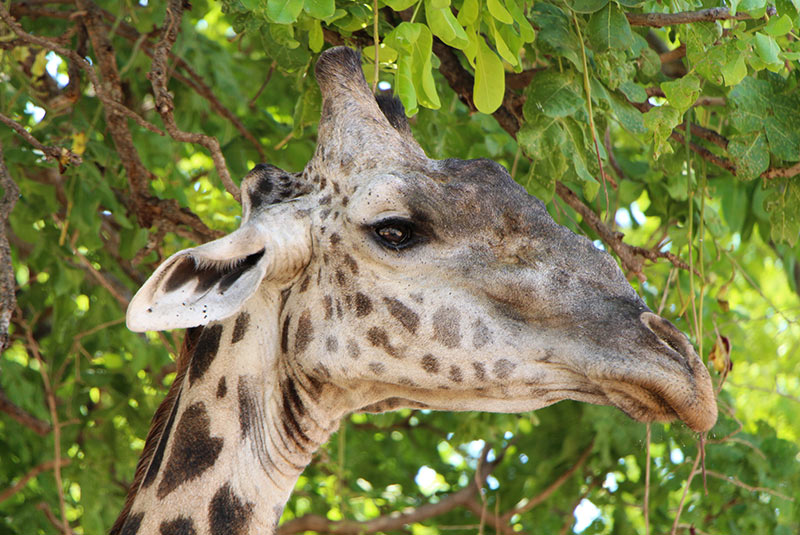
{"x": 212, "y": 282}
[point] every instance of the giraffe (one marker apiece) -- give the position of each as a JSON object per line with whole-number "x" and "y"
{"x": 376, "y": 279}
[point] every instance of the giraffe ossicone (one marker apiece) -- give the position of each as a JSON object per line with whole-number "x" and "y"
{"x": 376, "y": 279}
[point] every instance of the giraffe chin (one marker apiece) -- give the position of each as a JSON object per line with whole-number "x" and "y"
{"x": 648, "y": 405}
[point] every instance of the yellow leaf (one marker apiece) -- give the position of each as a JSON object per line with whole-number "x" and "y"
{"x": 720, "y": 354}
{"x": 39, "y": 64}
{"x": 79, "y": 143}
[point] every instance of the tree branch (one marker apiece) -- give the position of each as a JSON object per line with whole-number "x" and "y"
{"x": 659, "y": 20}
{"x": 395, "y": 521}
{"x": 33, "y": 472}
{"x": 551, "y": 488}
{"x": 62, "y": 155}
{"x": 8, "y": 300}
{"x": 23, "y": 417}
{"x": 165, "y": 106}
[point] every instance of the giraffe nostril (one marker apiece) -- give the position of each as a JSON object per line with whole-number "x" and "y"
{"x": 668, "y": 334}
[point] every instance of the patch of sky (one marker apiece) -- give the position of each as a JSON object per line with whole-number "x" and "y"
{"x": 384, "y": 85}
{"x": 585, "y": 513}
{"x": 54, "y": 61}
{"x": 201, "y": 26}
{"x": 676, "y": 456}
{"x": 34, "y": 111}
{"x": 611, "y": 482}
{"x": 492, "y": 482}
{"x": 143, "y": 3}
{"x": 508, "y": 435}
{"x": 429, "y": 481}
{"x": 475, "y": 448}
{"x": 599, "y": 244}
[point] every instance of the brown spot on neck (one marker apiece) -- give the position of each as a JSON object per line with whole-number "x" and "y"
{"x": 304, "y": 333}
{"x": 228, "y": 514}
{"x": 179, "y": 526}
{"x": 193, "y": 450}
{"x": 222, "y": 388}
{"x": 240, "y": 327}
{"x": 205, "y": 351}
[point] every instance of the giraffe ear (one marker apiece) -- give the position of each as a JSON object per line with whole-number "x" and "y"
{"x": 211, "y": 282}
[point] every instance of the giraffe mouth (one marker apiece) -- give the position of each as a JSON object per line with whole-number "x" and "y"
{"x": 641, "y": 404}
{"x": 649, "y": 401}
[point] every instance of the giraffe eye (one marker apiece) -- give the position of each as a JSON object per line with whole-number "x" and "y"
{"x": 394, "y": 233}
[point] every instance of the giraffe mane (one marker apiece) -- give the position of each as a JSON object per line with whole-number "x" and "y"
{"x": 157, "y": 426}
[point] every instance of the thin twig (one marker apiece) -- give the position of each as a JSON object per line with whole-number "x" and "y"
{"x": 33, "y": 346}
{"x": 23, "y": 417}
{"x": 685, "y": 492}
{"x": 61, "y": 155}
{"x": 30, "y": 474}
{"x": 551, "y": 488}
{"x": 659, "y": 20}
{"x": 739, "y": 483}
{"x": 646, "y": 504}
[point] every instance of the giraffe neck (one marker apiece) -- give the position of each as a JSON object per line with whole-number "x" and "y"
{"x": 240, "y": 428}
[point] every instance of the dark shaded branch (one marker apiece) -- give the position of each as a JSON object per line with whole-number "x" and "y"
{"x": 705, "y": 153}
{"x": 158, "y": 76}
{"x": 782, "y": 172}
{"x": 23, "y": 417}
{"x": 8, "y": 299}
{"x": 659, "y": 20}
{"x": 395, "y": 522}
{"x": 62, "y": 155}
{"x": 551, "y": 488}
{"x": 33, "y": 472}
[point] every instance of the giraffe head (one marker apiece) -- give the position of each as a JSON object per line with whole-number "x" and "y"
{"x": 406, "y": 281}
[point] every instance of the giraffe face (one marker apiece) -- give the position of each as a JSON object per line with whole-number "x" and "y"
{"x": 443, "y": 284}
{"x": 405, "y": 281}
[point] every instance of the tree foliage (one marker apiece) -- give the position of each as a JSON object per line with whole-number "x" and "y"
{"x": 669, "y": 132}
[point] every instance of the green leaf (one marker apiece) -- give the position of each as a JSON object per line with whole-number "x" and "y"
{"x": 284, "y": 11}
{"x": 781, "y": 204}
{"x": 498, "y": 11}
{"x": 587, "y": 6}
{"x": 752, "y": 6}
{"x": 315, "y": 36}
{"x": 734, "y": 71}
{"x": 633, "y": 91}
{"x": 554, "y": 94}
{"x": 555, "y": 30}
{"x": 445, "y": 26}
{"x": 525, "y": 29}
{"x": 414, "y": 43}
{"x": 489, "y": 79}
{"x": 542, "y": 139}
{"x": 750, "y": 154}
{"x": 683, "y": 92}
{"x": 661, "y": 121}
{"x": 783, "y": 135}
{"x": 767, "y": 49}
{"x": 629, "y": 117}
{"x": 778, "y": 26}
{"x": 608, "y": 28}
{"x": 469, "y": 12}
{"x": 751, "y": 99}
{"x": 500, "y": 44}
{"x": 400, "y": 5}
{"x": 320, "y": 9}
